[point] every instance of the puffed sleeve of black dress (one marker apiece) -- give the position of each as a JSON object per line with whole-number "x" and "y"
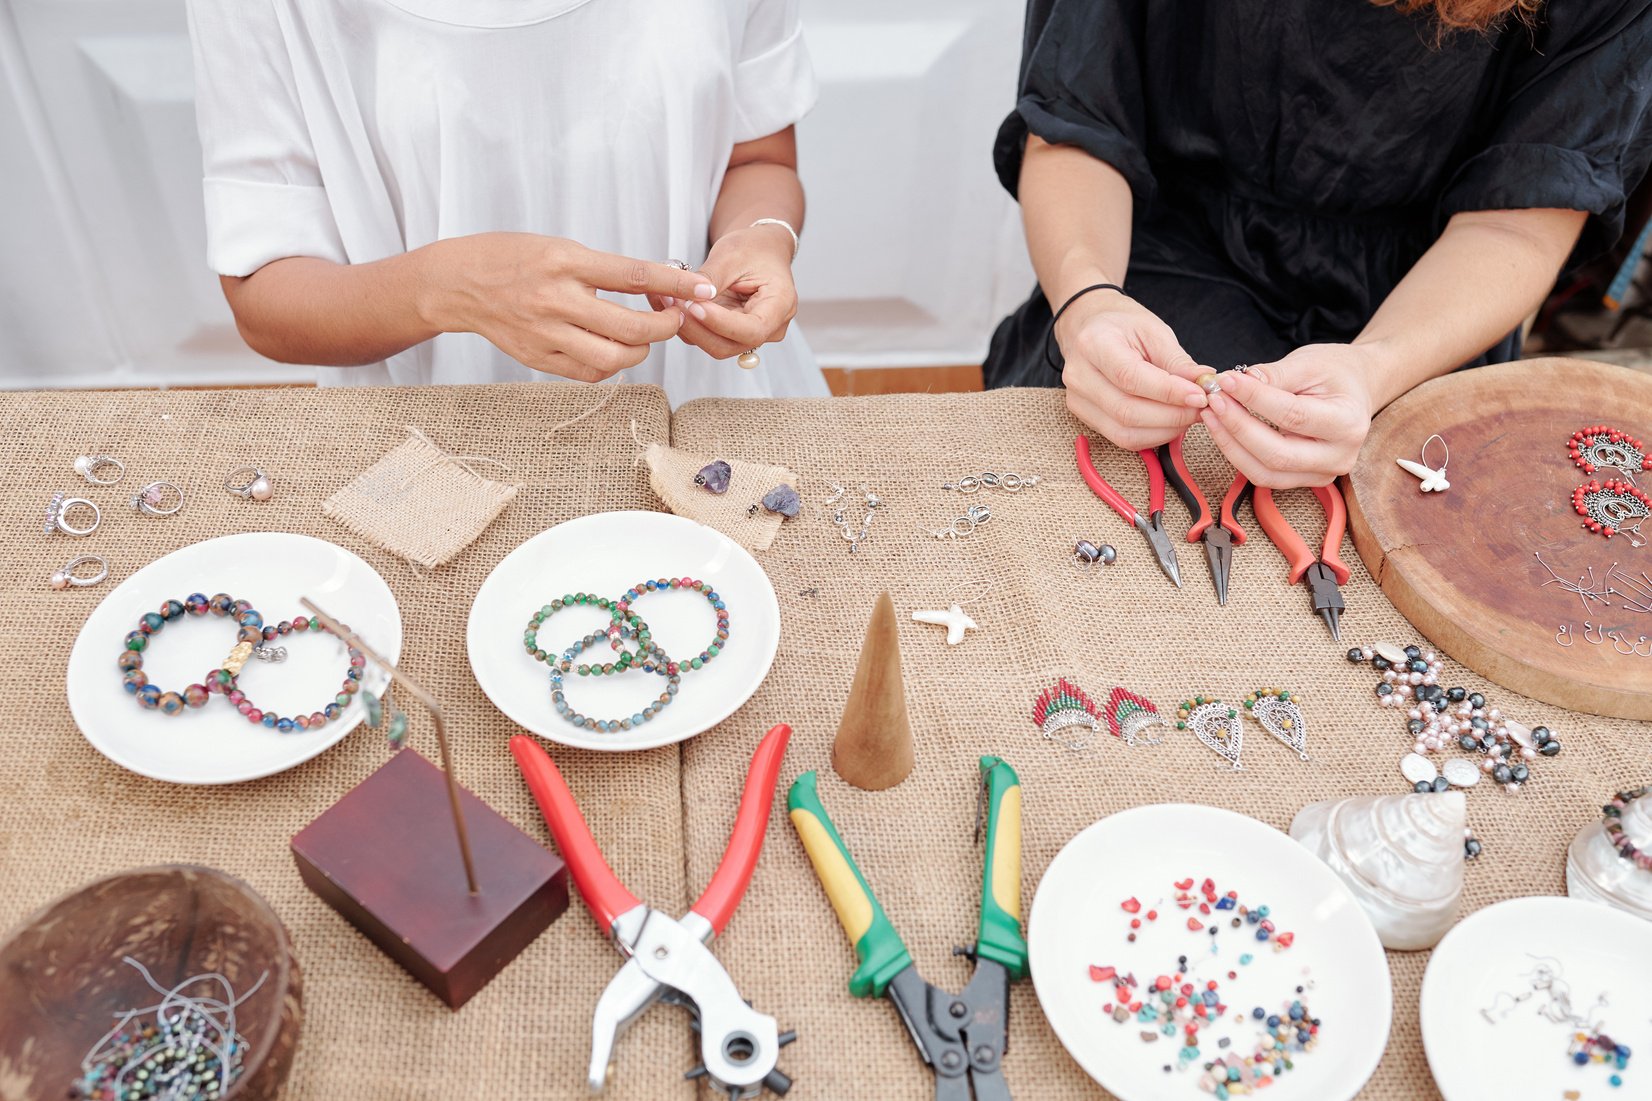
{"x": 1081, "y": 85}
{"x": 1575, "y": 128}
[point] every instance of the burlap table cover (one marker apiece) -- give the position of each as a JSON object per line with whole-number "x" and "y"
{"x": 1039, "y": 619}
{"x": 67, "y": 815}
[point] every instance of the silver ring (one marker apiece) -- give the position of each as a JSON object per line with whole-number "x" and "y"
{"x": 63, "y": 578}
{"x": 87, "y": 467}
{"x": 57, "y": 518}
{"x": 258, "y": 486}
{"x": 678, "y": 264}
{"x": 149, "y": 500}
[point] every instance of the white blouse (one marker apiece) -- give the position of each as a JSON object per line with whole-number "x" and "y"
{"x": 352, "y": 130}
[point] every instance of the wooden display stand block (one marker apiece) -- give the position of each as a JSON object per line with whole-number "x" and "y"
{"x": 386, "y": 857}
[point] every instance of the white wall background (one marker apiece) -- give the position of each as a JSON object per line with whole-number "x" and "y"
{"x": 912, "y": 253}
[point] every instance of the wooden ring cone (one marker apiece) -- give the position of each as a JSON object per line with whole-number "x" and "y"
{"x": 873, "y": 749}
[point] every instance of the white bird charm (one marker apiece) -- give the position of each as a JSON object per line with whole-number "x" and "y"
{"x": 1433, "y": 481}
{"x": 953, "y": 619}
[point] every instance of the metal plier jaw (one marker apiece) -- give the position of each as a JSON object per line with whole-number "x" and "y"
{"x": 667, "y": 958}
{"x": 669, "y": 961}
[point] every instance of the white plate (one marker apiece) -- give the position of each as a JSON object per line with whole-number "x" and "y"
{"x": 1495, "y": 951}
{"x": 215, "y": 744}
{"x": 1077, "y": 921}
{"x": 606, "y": 554}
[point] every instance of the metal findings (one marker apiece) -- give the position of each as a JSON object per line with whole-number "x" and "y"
{"x": 1433, "y": 480}
{"x": 964, "y": 525}
{"x": 1087, "y": 554}
{"x": 65, "y": 577}
{"x": 1216, "y": 725}
{"x": 158, "y": 499}
{"x": 1009, "y": 482}
{"x": 96, "y": 469}
{"x": 1061, "y": 711}
{"x": 1129, "y": 716}
{"x": 840, "y": 519}
{"x": 1277, "y": 711}
{"x": 247, "y": 481}
{"x": 57, "y": 515}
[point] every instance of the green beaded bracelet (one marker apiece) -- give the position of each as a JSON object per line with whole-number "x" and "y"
{"x": 626, "y": 659}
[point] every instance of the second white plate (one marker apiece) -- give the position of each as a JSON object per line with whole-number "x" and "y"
{"x": 1077, "y": 921}
{"x": 606, "y": 554}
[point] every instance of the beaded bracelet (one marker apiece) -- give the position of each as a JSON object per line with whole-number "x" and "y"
{"x": 221, "y": 680}
{"x": 624, "y": 617}
{"x": 530, "y": 637}
{"x": 136, "y": 681}
{"x": 1613, "y": 821}
{"x": 654, "y": 660}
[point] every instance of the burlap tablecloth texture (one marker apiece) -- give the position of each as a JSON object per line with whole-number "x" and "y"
{"x": 67, "y": 815}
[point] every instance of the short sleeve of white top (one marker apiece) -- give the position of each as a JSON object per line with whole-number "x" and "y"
{"x": 352, "y": 130}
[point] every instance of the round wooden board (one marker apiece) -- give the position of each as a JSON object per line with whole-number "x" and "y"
{"x": 1461, "y": 565}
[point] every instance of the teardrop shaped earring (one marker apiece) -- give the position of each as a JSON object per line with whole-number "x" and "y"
{"x": 1277, "y": 710}
{"x": 1216, "y": 725}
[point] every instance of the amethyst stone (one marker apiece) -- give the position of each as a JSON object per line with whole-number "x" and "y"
{"x": 784, "y": 500}
{"x": 714, "y": 476}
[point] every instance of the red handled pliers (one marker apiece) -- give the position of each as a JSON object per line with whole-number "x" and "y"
{"x": 1150, "y": 524}
{"x": 1322, "y": 573}
{"x": 667, "y": 957}
{"x": 1220, "y": 533}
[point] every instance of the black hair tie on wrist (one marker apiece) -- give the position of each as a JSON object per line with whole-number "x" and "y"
{"x": 1049, "y": 337}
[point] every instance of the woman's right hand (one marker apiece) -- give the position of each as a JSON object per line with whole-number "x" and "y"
{"x": 1127, "y": 375}
{"x": 535, "y": 298}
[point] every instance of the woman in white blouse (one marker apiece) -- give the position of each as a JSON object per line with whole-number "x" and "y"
{"x": 444, "y": 191}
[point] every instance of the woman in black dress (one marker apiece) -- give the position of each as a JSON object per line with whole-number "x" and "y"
{"x": 1353, "y": 196}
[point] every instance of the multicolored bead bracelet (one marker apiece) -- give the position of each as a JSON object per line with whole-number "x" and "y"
{"x": 136, "y": 681}
{"x": 221, "y": 680}
{"x": 654, "y": 660}
{"x": 1613, "y": 821}
{"x": 624, "y": 617}
{"x": 530, "y": 637}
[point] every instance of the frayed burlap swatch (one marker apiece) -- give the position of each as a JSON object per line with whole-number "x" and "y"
{"x": 419, "y": 502}
{"x": 671, "y": 473}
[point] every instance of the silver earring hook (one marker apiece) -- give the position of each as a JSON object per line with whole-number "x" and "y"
{"x": 1643, "y": 640}
{"x": 1443, "y": 444}
{"x": 1598, "y": 637}
{"x": 1565, "y": 632}
{"x": 1618, "y": 639}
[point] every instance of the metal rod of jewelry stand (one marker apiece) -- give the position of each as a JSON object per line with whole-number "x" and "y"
{"x": 397, "y": 676}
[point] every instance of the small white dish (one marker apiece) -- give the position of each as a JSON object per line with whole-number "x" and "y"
{"x": 606, "y": 554}
{"x": 215, "y": 744}
{"x": 1493, "y": 956}
{"x": 1076, "y": 921}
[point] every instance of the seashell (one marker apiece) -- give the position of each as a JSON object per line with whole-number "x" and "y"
{"x": 1596, "y": 872}
{"x": 1418, "y": 769}
{"x": 1460, "y": 772}
{"x": 1400, "y": 855}
{"x": 1394, "y": 655}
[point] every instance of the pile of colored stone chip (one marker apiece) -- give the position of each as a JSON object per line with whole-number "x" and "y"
{"x": 1599, "y": 1049}
{"x": 1285, "y": 1035}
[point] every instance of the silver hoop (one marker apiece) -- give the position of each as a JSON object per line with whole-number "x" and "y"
{"x": 148, "y": 500}
{"x": 257, "y": 487}
{"x": 87, "y": 467}
{"x": 65, "y": 577}
{"x": 57, "y": 518}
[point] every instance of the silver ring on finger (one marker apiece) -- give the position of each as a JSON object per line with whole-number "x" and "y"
{"x": 678, "y": 264}
{"x": 152, "y": 499}
{"x": 57, "y": 515}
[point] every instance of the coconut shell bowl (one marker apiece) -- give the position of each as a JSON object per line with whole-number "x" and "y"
{"x": 63, "y": 985}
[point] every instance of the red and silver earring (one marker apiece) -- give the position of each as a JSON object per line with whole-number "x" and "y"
{"x": 1613, "y": 507}
{"x": 1603, "y": 446}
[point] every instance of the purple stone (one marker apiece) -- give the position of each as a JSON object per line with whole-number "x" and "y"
{"x": 784, "y": 500}
{"x": 714, "y": 476}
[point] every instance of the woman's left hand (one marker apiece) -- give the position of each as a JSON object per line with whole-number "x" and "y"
{"x": 756, "y": 299}
{"x": 1319, "y": 396}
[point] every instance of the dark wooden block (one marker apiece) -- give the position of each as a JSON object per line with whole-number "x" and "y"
{"x": 386, "y": 857}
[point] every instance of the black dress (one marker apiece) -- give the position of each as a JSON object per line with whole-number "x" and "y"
{"x": 1291, "y": 159}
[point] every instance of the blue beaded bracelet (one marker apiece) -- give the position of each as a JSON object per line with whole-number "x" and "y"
{"x": 654, "y": 660}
